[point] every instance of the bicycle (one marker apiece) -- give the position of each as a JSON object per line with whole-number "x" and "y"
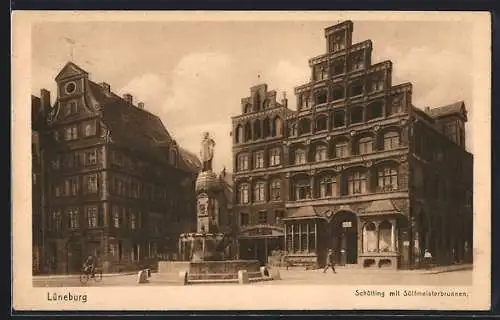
{"x": 85, "y": 276}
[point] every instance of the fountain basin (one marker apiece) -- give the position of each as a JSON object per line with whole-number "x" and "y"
{"x": 210, "y": 270}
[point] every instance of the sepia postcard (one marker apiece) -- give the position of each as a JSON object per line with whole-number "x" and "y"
{"x": 251, "y": 160}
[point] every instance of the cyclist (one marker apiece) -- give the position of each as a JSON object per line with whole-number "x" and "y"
{"x": 89, "y": 265}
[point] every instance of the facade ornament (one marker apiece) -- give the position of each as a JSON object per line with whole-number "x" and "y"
{"x": 376, "y": 128}
{"x": 369, "y": 164}
{"x": 352, "y": 133}
{"x": 338, "y": 168}
{"x": 403, "y": 122}
{"x": 403, "y": 158}
{"x": 287, "y": 175}
{"x": 308, "y": 141}
{"x": 328, "y": 138}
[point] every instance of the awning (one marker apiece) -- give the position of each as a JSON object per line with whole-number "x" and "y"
{"x": 379, "y": 207}
{"x": 306, "y": 212}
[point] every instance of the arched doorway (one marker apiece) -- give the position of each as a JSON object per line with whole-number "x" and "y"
{"x": 344, "y": 237}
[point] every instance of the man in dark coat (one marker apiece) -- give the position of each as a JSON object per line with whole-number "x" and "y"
{"x": 330, "y": 261}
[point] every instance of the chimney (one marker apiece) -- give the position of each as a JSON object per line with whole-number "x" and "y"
{"x": 128, "y": 97}
{"x": 140, "y": 105}
{"x": 44, "y": 101}
{"x": 284, "y": 100}
{"x": 105, "y": 86}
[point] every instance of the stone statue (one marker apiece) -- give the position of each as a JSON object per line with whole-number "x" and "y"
{"x": 207, "y": 151}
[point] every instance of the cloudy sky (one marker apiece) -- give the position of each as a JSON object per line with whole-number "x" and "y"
{"x": 194, "y": 74}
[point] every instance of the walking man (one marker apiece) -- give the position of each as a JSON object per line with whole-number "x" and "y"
{"x": 330, "y": 261}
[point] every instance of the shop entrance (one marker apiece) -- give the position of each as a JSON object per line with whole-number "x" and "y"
{"x": 344, "y": 237}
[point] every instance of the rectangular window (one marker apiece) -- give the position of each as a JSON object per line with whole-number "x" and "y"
{"x": 387, "y": 179}
{"x": 259, "y": 159}
{"x": 365, "y": 146}
{"x": 244, "y": 220}
{"x": 327, "y": 187}
{"x": 71, "y": 108}
{"x": 133, "y": 221}
{"x": 262, "y": 219}
{"x": 356, "y": 183}
{"x": 275, "y": 157}
{"x": 92, "y": 217}
{"x": 74, "y": 218}
{"x": 71, "y": 133}
{"x": 300, "y": 157}
{"x": 259, "y": 194}
{"x": 91, "y": 183}
{"x": 89, "y": 128}
{"x": 116, "y": 216}
{"x": 276, "y": 190}
{"x": 56, "y": 221}
{"x": 341, "y": 150}
{"x": 242, "y": 164}
{"x": 243, "y": 193}
{"x": 91, "y": 157}
{"x": 303, "y": 190}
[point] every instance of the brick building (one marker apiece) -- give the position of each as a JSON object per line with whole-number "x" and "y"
{"x": 356, "y": 168}
{"x": 119, "y": 186}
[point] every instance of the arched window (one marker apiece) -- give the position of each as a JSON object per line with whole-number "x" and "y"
{"x": 321, "y": 153}
{"x": 369, "y": 237}
{"x": 327, "y": 187}
{"x": 275, "y": 189}
{"x": 238, "y": 136}
{"x": 385, "y": 242}
{"x": 259, "y": 192}
{"x": 341, "y": 149}
{"x": 374, "y": 110}
{"x": 321, "y": 123}
{"x": 356, "y": 182}
{"x": 300, "y": 156}
{"x": 257, "y": 133}
{"x": 387, "y": 178}
{"x": 277, "y": 127}
{"x": 243, "y": 193}
{"x": 365, "y": 145}
{"x": 248, "y": 132}
{"x": 304, "y": 126}
{"x": 391, "y": 140}
{"x": 302, "y": 189}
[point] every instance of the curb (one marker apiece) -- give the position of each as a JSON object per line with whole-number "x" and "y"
{"x": 66, "y": 276}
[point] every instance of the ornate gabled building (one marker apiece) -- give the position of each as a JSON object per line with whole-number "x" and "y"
{"x": 346, "y": 171}
{"x": 119, "y": 186}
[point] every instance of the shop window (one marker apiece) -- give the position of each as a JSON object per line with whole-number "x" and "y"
{"x": 384, "y": 235}
{"x": 369, "y": 237}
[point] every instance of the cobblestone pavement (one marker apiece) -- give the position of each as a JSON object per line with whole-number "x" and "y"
{"x": 289, "y": 277}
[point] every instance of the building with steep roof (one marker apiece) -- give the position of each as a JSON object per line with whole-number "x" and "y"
{"x": 356, "y": 168}
{"x": 119, "y": 185}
